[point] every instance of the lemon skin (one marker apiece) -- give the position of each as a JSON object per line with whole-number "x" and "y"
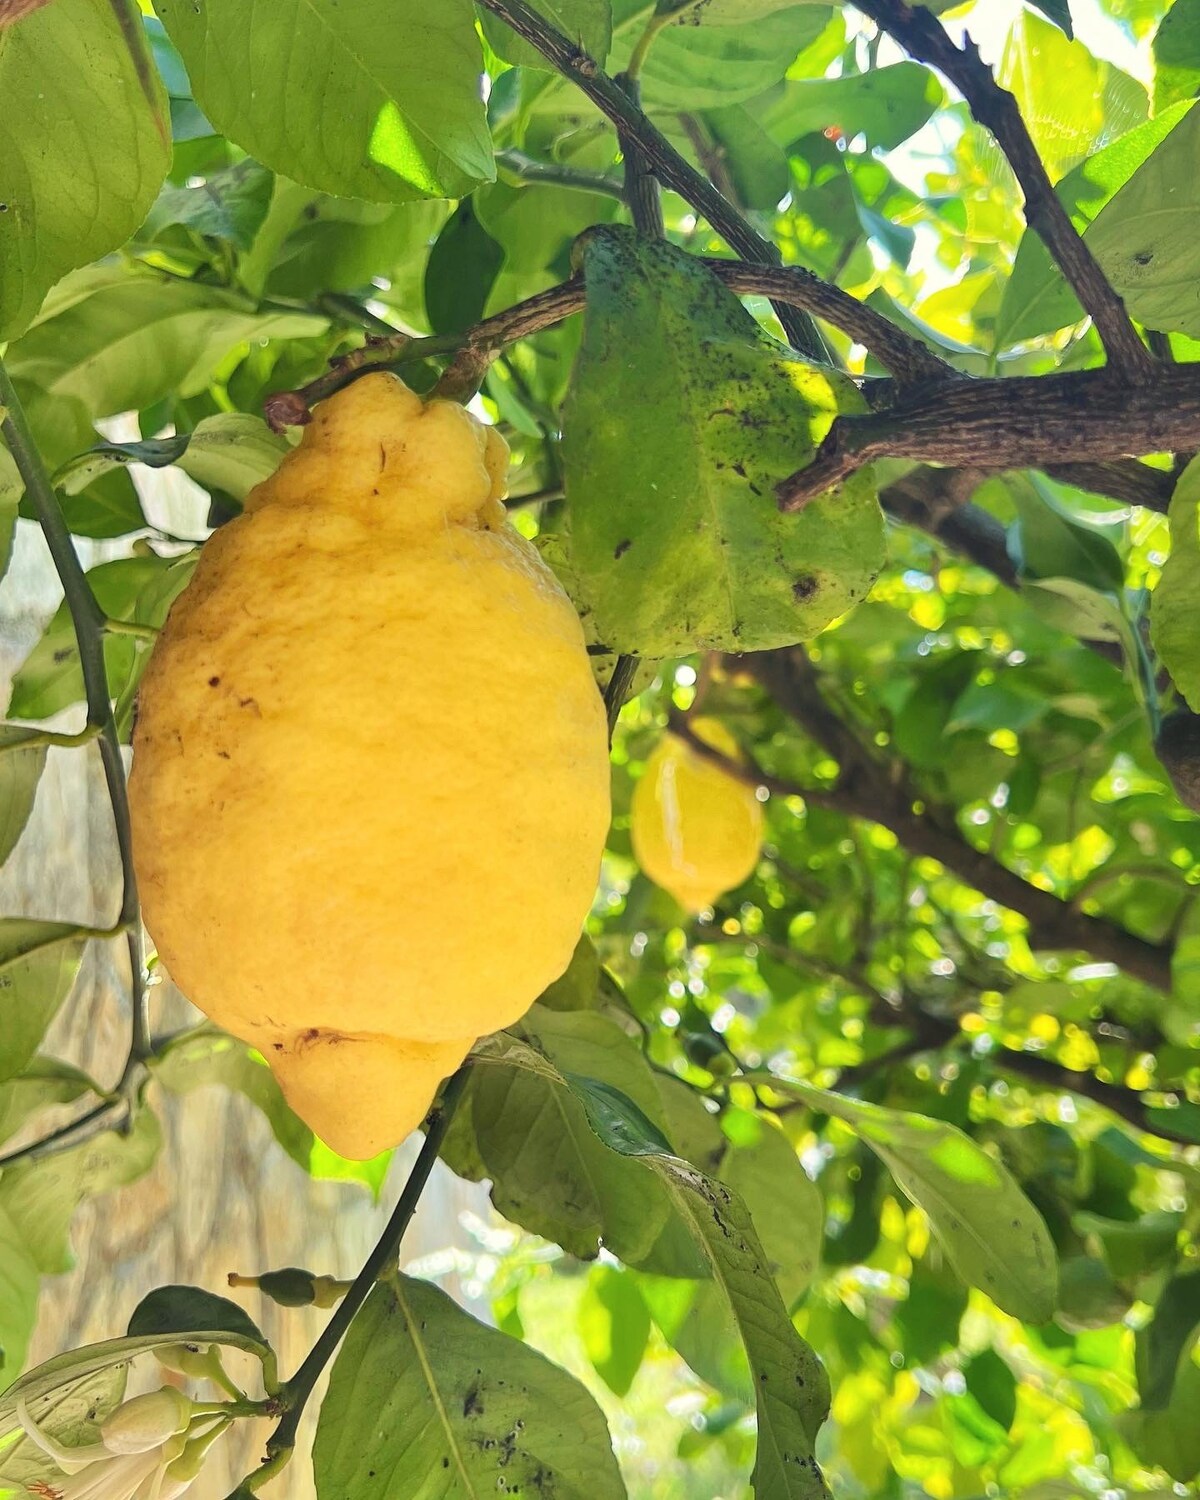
{"x": 370, "y": 786}
{"x": 696, "y": 828}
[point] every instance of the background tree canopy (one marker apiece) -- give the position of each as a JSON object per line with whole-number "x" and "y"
{"x": 885, "y": 1167}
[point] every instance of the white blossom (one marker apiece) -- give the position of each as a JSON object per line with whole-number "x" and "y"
{"x": 151, "y": 1448}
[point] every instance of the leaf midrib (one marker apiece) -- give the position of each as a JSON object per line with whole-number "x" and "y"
{"x": 434, "y": 1391}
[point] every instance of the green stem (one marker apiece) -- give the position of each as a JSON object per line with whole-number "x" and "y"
{"x": 89, "y": 622}
{"x": 299, "y": 1388}
{"x": 132, "y": 628}
{"x": 623, "y": 673}
{"x": 51, "y": 738}
{"x": 637, "y": 57}
{"x": 554, "y": 174}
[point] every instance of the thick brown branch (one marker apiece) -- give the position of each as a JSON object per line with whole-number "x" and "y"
{"x": 1027, "y": 422}
{"x": 922, "y": 35}
{"x": 1124, "y": 479}
{"x": 866, "y": 789}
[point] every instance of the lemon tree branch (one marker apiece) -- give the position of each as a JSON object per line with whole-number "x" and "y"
{"x": 90, "y": 626}
{"x": 661, "y": 157}
{"x": 295, "y": 1392}
{"x": 1023, "y": 421}
{"x": 923, "y": 36}
{"x": 909, "y": 360}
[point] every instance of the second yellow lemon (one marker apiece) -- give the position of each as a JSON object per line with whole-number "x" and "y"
{"x": 697, "y": 828}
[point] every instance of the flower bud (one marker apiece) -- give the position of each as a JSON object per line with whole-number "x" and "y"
{"x": 146, "y": 1422}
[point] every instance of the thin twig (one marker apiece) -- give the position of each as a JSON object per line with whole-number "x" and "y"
{"x": 937, "y": 501}
{"x": 299, "y": 1388}
{"x": 90, "y": 625}
{"x": 923, "y": 36}
{"x": 908, "y": 359}
{"x": 667, "y": 164}
{"x": 933, "y": 1033}
{"x": 535, "y": 497}
{"x": 554, "y": 174}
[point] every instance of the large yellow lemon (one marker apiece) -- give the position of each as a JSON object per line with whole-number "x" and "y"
{"x": 370, "y": 779}
{"x": 697, "y": 829}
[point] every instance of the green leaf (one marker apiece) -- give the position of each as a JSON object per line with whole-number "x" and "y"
{"x": 126, "y": 341}
{"x": 38, "y": 965}
{"x": 229, "y": 205}
{"x": 45, "y": 1081}
{"x": 1171, "y": 1438}
{"x": 1160, "y": 1343}
{"x": 887, "y": 105}
{"x": 186, "y": 1309}
{"x": 19, "y": 1281}
{"x": 1077, "y": 609}
{"x": 697, "y": 1321}
{"x": 577, "y": 987}
{"x": 22, "y": 761}
{"x": 993, "y": 1236}
{"x": 1049, "y": 541}
{"x": 84, "y": 145}
{"x": 1145, "y": 238}
{"x": 551, "y": 1173}
{"x": 1175, "y": 603}
{"x": 1176, "y": 51}
{"x": 535, "y": 224}
{"x": 757, "y": 167}
{"x": 462, "y": 266}
{"x": 1088, "y": 1296}
{"x": 992, "y": 1383}
{"x": 682, "y": 418}
{"x": 588, "y": 23}
{"x": 615, "y": 1118}
{"x": 1072, "y": 101}
{"x": 791, "y": 1387}
{"x": 78, "y": 472}
{"x": 1059, "y": 11}
{"x": 723, "y": 60}
{"x": 786, "y": 1206}
{"x": 138, "y": 589}
{"x": 409, "y": 118}
{"x": 41, "y": 1196}
{"x": 232, "y": 452}
{"x": 12, "y": 487}
{"x": 1037, "y": 298}
{"x": 614, "y": 1324}
{"x": 425, "y": 1400}
{"x": 1134, "y": 1247}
